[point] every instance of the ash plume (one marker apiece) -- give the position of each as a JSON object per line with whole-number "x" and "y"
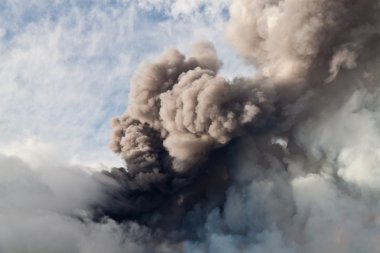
{"x": 181, "y": 105}
{"x": 180, "y": 110}
{"x": 286, "y": 160}
{"x": 217, "y": 162}
{"x": 303, "y": 39}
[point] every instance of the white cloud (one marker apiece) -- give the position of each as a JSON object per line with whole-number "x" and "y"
{"x": 183, "y": 8}
{"x": 39, "y": 211}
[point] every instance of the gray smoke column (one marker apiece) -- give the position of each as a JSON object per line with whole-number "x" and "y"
{"x": 315, "y": 60}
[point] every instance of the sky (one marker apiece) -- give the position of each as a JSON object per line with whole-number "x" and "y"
{"x": 65, "y": 71}
{"x": 65, "y": 67}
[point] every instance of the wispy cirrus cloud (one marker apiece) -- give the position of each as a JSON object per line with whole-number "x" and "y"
{"x": 65, "y": 66}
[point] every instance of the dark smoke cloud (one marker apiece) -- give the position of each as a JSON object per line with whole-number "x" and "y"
{"x": 181, "y": 110}
{"x": 286, "y": 161}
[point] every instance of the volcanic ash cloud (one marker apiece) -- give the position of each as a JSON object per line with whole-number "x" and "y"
{"x": 179, "y": 110}
{"x": 276, "y": 135}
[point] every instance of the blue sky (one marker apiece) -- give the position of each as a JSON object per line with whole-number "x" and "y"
{"x": 65, "y": 66}
{"x": 65, "y": 69}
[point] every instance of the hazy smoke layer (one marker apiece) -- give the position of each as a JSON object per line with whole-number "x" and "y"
{"x": 286, "y": 161}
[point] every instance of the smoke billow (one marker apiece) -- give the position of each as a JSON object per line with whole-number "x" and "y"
{"x": 296, "y": 40}
{"x": 284, "y": 161}
{"x": 179, "y": 105}
{"x": 180, "y": 110}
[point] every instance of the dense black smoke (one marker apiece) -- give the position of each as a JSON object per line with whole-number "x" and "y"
{"x": 207, "y": 156}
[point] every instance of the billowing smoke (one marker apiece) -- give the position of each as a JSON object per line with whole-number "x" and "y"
{"x": 181, "y": 111}
{"x": 299, "y": 40}
{"x": 286, "y": 160}
{"x": 180, "y": 106}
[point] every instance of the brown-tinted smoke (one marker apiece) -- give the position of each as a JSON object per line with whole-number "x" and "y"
{"x": 180, "y": 109}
